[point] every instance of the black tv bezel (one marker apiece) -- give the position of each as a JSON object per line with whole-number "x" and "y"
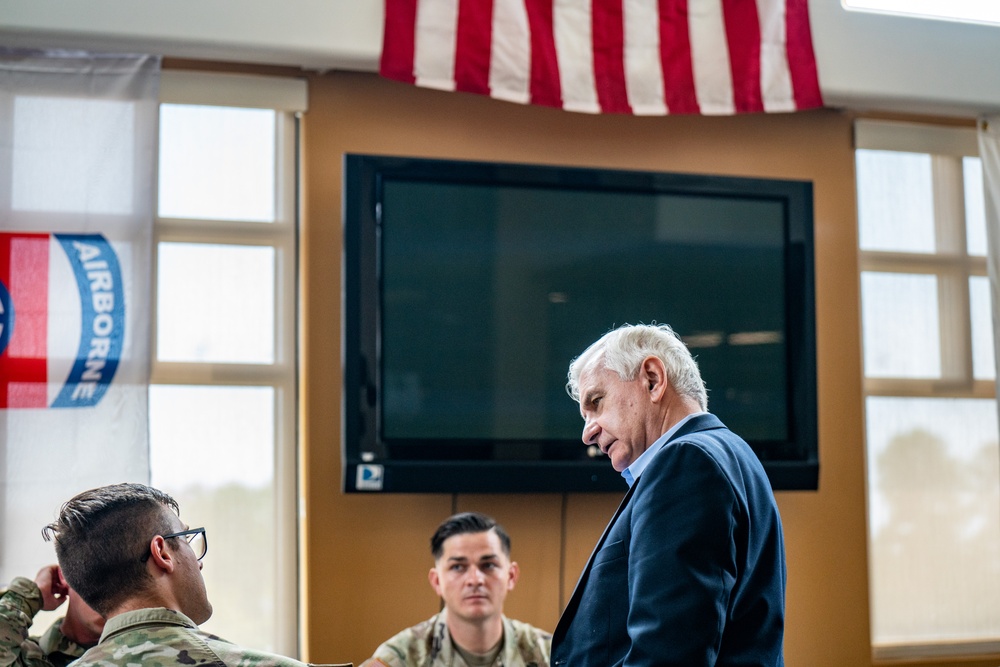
{"x": 361, "y": 444}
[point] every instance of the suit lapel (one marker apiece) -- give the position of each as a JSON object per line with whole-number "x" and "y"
{"x": 607, "y": 528}
{"x": 574, "y": 599}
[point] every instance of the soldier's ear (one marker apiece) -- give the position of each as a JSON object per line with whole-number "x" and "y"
{"x": 160, "y": 555}
{"x": 435, "y": 580}
{"x": 513, "y": 575}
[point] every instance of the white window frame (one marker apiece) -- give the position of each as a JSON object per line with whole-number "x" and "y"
{"x": 288, "y": 97}
{"x": 951, "y": 264}
{"x": 953, "y": 267}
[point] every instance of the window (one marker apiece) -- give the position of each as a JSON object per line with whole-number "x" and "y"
{"x": 222, "y": 395}
{"x": 930, "y": 400}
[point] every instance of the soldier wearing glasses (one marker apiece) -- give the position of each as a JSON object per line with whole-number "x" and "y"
{"x": 124, "y": 549}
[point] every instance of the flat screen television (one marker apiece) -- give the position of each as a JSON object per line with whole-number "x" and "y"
{"x": 468, "y": 288}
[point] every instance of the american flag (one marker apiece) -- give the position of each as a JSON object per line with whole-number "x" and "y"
{"x": 644, "y": 57}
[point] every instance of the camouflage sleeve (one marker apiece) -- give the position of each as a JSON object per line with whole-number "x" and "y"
{"x": 531, "y": 646}
{"x": 403, "y": 650}
{"x": 382, "y": 658}
{"x": 18, "y": 607}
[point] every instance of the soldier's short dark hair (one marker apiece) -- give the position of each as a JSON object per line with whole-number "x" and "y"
{"x": 102, "y": 541}
{"x": 467, "y": 522}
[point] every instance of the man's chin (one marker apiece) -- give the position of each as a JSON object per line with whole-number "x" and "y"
{"x": 477, "y": 609}
{"x": 617, "y": 462}
{"x": 205, "y": 615}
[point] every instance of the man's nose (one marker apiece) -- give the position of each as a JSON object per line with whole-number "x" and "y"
{"x": 476, "y": 576}
{"x": 590, "y": 432}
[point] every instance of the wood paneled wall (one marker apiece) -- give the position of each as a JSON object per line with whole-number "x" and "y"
{"x": 366, "y": 557}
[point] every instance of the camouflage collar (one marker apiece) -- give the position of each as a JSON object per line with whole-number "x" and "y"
{"x": 139, "y": 617}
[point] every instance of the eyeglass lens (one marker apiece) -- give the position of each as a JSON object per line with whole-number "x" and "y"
{"x": 198, "y": 544}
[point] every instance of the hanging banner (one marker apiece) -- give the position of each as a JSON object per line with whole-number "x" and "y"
{"x": 78, "y": 146}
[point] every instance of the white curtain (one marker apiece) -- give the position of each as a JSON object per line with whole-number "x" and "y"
{"x": 78, "y": 138}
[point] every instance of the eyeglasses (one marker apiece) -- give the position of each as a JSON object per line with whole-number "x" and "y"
{"x": 196, "y": 537}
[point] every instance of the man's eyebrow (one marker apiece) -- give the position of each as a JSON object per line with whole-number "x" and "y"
{"x": 458, "y": 558}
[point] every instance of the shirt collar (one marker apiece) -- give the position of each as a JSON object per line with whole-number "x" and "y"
{"x": 631, "y": 473}
{"x": 147, "y": 616}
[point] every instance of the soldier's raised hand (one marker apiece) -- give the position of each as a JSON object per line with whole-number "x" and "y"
{"x": 53, "y": 587}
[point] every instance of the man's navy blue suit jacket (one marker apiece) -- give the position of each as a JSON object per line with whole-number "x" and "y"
{"x": 691, "y": 569}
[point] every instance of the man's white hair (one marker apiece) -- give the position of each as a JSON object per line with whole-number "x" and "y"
{"x": 623, "y": 350}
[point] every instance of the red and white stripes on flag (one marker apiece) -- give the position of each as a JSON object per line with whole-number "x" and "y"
{"x": 644, "y": 57}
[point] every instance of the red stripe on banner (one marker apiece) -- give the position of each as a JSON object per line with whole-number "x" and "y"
{"x": 801, "y": 57}
{"x": 675, "y": 58}
{"x": 743, "y": 37}
{"x": 608, "y": 30}
{"x": 472, "y": 46}
{"x": 24, "y": 269}
{"x": 399, "y": 40}
{"x": 544, "y": 87}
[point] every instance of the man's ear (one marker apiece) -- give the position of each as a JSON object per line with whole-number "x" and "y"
{"x": 435, "y": 580}
{"x": 160, "y": 555}
{"x": 654, "y": 375}
{"x": 513, "y": 575}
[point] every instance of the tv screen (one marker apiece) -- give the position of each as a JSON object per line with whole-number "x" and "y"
{"x": 470, "y": 286}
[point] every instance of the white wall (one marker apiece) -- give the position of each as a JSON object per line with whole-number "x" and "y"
{"x": 904, "y": 63}
{"x": 314, "y": 34}
{"x": 866, "y": 61}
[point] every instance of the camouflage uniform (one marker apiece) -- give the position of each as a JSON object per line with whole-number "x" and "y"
{"x": 428, "y": 644}
{"x": 18, "y": 606}
{"x": 161, "y": 637}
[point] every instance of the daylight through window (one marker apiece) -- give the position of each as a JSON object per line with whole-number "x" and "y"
{"x": 929, "y": 385}
{"x": 222, "y": 400}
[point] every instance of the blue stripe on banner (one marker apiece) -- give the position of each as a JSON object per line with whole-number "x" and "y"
{"x": 6, "y": 317}
{"x": 102, "y": 319}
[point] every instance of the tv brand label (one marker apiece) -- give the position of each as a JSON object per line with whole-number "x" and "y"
{"x": 62, "y": 319}
{"x": 370, "y": 477}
